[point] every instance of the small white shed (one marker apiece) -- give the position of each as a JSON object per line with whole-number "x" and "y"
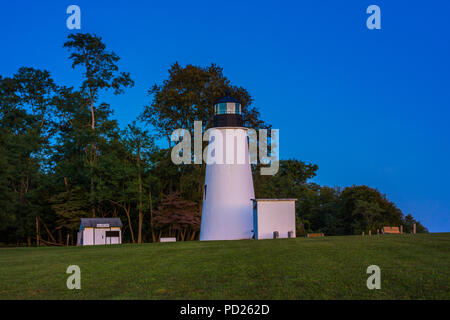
{"x": 98, "y": 231}
{"x": 274, "y": 218}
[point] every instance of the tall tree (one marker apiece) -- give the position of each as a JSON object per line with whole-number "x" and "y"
{"x": 189, "y": 94}
{"x": 140, "y": 145}
{"x": 100, "y": 72}
{"x": 25, "y": 128}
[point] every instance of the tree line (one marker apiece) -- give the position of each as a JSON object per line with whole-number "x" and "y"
{"x": 63, "y": 156}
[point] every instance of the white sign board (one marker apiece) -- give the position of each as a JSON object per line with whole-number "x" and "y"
{"x": 102, "y": 225}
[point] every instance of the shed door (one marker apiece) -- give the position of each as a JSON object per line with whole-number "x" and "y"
{"x": 100, "y": 237}
{"x": 112, "y": 237}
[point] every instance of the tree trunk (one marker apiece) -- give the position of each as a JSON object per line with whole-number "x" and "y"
{"x": 37, "y": 231}
{"x": 49, "y": 234}
{"x": 92, "y": 192}
{"x": 183, "y": 235}
{"x": 150, "y": 205}
{"x": 92, "y": 113}
{"x": 129, "y": 224}
{"x": 93, "y": 149}
{"x": 141, "y": 215}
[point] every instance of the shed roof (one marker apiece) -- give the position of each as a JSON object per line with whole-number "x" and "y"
{"x": 92, "y": 222}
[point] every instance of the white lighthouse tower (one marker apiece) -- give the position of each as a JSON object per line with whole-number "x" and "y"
{"x": 227, "y": 212}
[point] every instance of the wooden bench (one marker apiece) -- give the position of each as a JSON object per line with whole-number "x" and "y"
{"x": 168, "y": 240}
{"x": 391, "y": 230}
{"x": 315, "y": 235}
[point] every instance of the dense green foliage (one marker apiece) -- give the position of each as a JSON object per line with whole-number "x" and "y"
{"x": 412, "y": 267}
{"x": 63, "y": 157}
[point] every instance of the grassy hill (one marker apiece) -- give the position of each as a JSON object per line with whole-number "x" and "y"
{"x": 412, "y": 267}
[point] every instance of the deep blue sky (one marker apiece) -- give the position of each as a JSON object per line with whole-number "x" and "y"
{"x": 367, "y": 106}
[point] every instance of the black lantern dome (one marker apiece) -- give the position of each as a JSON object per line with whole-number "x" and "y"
{"x": 227, "y": 112}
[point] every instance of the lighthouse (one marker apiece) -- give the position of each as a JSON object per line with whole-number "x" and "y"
{"x": 227, "y": 212}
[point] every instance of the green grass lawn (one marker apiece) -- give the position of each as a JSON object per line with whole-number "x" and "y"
{"x": 412, "y": 267}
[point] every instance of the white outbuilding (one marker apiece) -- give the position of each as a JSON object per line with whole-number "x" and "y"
{"x": 274, "y": 218}
{"x": 98, "y": 231}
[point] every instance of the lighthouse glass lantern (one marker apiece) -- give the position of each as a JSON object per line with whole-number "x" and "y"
{"x": 227, "y": 212}
{"x": 227, "y": 113}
